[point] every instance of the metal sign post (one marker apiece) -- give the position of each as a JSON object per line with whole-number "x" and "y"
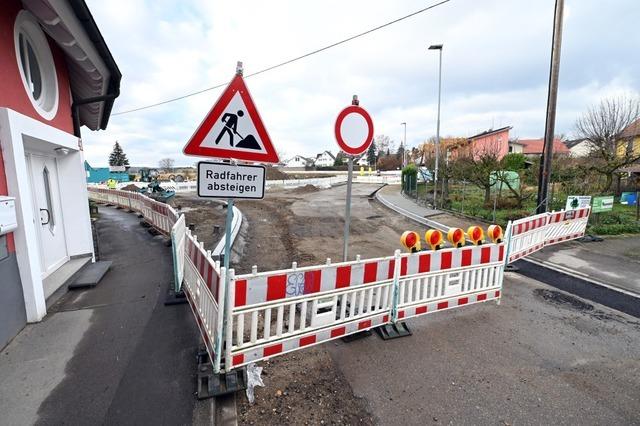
{"x": 354, "y": 134}
{"x": 347, "y": 211}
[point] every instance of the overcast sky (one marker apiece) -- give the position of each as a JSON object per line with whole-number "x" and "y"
{"x": 495, "y": 67}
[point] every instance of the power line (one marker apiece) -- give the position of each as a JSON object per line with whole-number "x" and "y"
{"x": 297, "y": 58}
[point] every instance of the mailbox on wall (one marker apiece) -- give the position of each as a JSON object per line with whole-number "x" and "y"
{"x": 8, "y": 220}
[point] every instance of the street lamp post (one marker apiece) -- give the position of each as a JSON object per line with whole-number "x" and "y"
{"x": 404, "y": 151}
{"x": 437, "y": 47}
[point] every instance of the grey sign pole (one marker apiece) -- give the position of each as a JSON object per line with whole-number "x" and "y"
{"x": 347, "y": 212}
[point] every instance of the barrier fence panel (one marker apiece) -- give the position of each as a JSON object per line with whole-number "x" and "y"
{"x": 275, "y": 312}
{"x": 527, "y": 235}
{"x": 567, "y": 225}
{"x": 178, "y": 235}
{"x": 447, "y": 279}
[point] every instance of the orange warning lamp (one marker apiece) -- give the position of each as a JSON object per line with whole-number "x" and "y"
{"x": 495, "y": 233}
{"x": 476, "y": 234}
{"x": 456, "y": 237}
{"x": 411, "y": 241}
{"x": 434, "y": 239}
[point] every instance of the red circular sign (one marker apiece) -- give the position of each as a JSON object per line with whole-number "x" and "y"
{"x": 354, "y": 130}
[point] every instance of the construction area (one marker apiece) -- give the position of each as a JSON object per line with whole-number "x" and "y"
{"x": 537, "y": 354}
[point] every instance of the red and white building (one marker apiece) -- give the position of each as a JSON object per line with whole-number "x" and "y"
{"x": 56, "y": 75}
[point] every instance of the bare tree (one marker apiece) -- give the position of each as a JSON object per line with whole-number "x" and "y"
{"x": 477, "y": 165}
{"x": 603, "y": 126}
{"x": 166, "y": 164}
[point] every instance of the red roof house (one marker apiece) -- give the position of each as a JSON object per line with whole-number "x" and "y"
{"x": 534, "y": 147}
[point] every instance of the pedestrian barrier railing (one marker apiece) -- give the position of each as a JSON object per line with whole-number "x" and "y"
{"x": 532, "y": 233}
{"x": 265, "y": 314}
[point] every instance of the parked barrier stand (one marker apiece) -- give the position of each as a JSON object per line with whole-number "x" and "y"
{"x": 275, "y": 312}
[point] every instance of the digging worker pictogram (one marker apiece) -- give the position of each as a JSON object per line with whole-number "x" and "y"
{"x": 230, "y": 126}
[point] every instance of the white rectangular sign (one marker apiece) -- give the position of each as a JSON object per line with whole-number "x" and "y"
{"x": 223, "y": 180}
{"x": 578, "y": 202}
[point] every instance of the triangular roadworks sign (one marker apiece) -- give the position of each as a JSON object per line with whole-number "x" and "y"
{"x": 233, "y": 129}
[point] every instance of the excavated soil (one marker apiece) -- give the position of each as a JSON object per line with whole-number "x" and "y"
{"x": 303, "y": 225}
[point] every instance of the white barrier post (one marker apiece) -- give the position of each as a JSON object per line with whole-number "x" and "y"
{"x": 396, "y": 287}
{"x": 228, "y": 321}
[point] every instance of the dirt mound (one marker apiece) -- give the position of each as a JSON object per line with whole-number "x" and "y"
{"x": 276, "y": 174}
{"x": 131, "y": 188}
{"x": 304, "y": 189}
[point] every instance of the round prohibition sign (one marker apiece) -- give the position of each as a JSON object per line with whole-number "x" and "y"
{"x": 354, "y": 130}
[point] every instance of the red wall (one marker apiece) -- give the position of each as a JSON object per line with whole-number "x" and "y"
{"x": 494, "y": 142}
{"x": 12, "y": 92}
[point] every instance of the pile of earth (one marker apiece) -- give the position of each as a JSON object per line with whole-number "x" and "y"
{"x": 276, "y": 174}
{"x": 131, "y": 188}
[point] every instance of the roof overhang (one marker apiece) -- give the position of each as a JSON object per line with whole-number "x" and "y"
{"x": 93, "y": 73}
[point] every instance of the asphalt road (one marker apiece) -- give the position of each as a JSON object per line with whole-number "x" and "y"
{"x": 541, "y": 357}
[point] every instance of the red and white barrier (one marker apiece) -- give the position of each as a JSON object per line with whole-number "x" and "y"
{"x": 271, "y": 313}
{"x": 567, "y": 225}
{"x": 282, "y": 311}
{"x": 528, "y": 235}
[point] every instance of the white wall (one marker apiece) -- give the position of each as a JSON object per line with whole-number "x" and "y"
{"x": 19, "y": 133}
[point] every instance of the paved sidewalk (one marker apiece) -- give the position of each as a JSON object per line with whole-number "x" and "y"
{"x": 614, "y": 262}
{"x": 113, "y": 354}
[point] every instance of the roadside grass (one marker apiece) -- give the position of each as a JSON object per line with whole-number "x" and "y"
{"x": 469, "y": 200}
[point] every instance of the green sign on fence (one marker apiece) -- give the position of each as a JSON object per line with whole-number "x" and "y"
{"x": 602, "y": 204}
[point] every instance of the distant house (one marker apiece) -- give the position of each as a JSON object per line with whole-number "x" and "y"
{"x": 489, "y": 141}
{"x": 630, "y": 145}
{"x": 578, "y": 147}
{"x": 515, "y": 147}
{"x": 299, "y": 161}
{"x": 324, "y": 159}
{"x": 534, "y": 147}
{"x": 102, "y": 174}
{"x": 362, "y": 160}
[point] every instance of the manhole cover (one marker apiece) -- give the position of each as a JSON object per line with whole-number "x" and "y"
{"x": 562, "y": 299}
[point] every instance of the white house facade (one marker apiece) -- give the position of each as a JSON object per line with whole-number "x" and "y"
{"x": 324, "y": 159}
{"x": 298, "y": 161}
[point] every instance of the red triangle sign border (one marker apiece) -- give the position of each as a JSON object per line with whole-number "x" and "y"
{"x": 193, "y": 147}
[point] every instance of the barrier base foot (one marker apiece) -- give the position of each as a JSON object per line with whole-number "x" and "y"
{"x": 356, "y": 336}
{"x": 212, "y": 385}
{"x": 174, "y": 298}
{"x": 145, "y": 224}
{"x": 590, "y": 239}
{"x": 393, "y": 331}
{"x": 140, "y": 215}
{"x": 511, "y": 268}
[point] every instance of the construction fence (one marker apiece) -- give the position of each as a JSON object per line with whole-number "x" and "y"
{"x": 260, "y": 315}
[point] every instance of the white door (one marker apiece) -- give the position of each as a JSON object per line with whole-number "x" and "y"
{"x": 48, "y": 212}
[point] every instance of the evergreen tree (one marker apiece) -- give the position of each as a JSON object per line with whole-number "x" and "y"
{"x": 117, "y": 156}
{"x": 371, "y": 154}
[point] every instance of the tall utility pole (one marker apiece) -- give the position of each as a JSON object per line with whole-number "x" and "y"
{"x": 437, "y": 47}
{"x": 404, "y": 151}
{"x": 552, "y": 98}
